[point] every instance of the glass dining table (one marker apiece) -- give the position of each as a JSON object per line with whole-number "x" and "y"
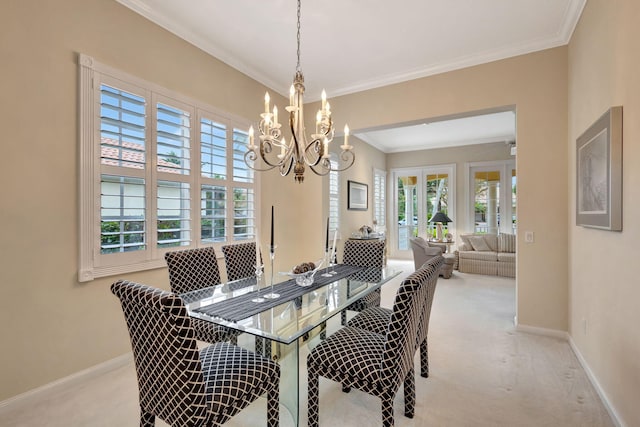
{"x": 287, "y": 323}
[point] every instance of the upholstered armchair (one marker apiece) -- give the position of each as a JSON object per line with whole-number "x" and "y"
{"x": 422, "y": 252}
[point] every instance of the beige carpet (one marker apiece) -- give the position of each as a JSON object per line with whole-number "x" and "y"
{"x": 483, "y": 373}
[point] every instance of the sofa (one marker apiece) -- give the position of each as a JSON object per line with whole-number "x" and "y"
{"x": 423, "y": 251}
{"x": 493, "y": 254}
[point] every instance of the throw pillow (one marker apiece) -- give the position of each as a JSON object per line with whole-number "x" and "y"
{"x": 479, "y": 244}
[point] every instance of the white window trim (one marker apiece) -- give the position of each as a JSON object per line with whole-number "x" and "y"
{"x": 89, "y": 168}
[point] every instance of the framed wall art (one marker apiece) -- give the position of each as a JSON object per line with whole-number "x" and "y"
{"x": 357, "y": 196}
{"x": 599, "y": 173}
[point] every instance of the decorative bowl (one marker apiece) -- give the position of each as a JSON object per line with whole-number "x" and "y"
{"x": 306, "y": 278}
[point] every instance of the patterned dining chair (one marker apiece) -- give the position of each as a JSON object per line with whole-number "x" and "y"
{"x": 376, "y": 319}
{"x": 240, "y": 262}
{"x": 363, "y": 253}
{"x": 179, "y": 384}
{"x": 191, "y": 270}
{"x": 373, "y": 363}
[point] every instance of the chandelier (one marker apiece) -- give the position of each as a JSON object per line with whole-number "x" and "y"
{"x": 276, "y": 152}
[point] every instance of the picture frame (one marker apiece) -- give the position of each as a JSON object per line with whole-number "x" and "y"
{"x": 599, "y": 173}
{"x": 357, "y": 196}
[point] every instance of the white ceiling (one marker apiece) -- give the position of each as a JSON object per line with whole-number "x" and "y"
{"x": 348, "y": 45}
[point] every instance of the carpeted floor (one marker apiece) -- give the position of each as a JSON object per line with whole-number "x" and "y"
{"x": 483, "y": 373}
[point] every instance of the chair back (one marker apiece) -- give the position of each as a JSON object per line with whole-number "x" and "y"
{"x": 422, "y": 252}
{"x": 423, "y": 326}
{"x": 364, "y": 253}
{"x": 402, "y": 332}
{"x": 170, "y": 378}
{"x": 240, "y": 260}
{"x": 192, "y": 269}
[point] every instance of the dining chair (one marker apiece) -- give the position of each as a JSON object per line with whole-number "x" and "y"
{"x": 191, "y": 270}
{"x": 373, "y": 363}
{"x": 240, "y": 260}
{"x": 377, "y": 319}
{"x": 363, "y": 253}
{"x": 179, "y": 384}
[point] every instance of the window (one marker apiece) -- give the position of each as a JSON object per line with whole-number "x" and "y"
{"x": 379, "y": 199}
{"x": 334, "y": 196}
{"x": 159, "y": 171}
{"x": 492, "y": 195}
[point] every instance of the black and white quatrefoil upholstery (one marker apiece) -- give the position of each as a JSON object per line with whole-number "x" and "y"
{"x": 363, "y": 253}
{"x": 176, "y": 382}
{"x": 376, "y": 319}
{"x": 240, "y": 260}
{"x": 193, "y": 269}
{"x": 376, "y": 364}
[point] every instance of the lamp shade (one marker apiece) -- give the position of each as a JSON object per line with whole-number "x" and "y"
{"x": 440, "y": 217}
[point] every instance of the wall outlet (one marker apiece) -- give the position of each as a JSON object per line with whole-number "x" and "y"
{"x": 528, "y": 236}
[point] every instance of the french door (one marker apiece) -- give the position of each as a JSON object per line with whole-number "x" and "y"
{"x": 418, "y": 193}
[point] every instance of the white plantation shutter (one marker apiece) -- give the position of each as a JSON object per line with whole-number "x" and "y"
{"x": 379, "y": 197}
{"x": 334, "y": 196}
{"x": 159, "y": 171}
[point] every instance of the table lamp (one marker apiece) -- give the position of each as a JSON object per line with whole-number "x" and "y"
{"x": 439, "y": 218}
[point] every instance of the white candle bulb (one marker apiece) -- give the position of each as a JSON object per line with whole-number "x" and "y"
{"x": 328, "y": 109}
{"x": 292, "y": 91}
{"x": 324, "y": 99}
{"x": 318, "y": 121}
{"x": 251, "y": 145}
{"x": 275, "y": 115}
{"x": 346, "y": 134}
{"x": 266, "y": 102}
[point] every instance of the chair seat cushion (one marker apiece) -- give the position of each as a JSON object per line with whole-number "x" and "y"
{"x": 234, "y": 375}
{"x": 370, "y": 300}
{"x": 351, "y": 356}
{"x": 506, "y": 257}
{"x": 374, "y": 320}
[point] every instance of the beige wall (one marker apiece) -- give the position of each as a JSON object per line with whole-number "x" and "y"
{"x": 52, "y": 325}
{"x": 536, "y": 84}
{"x": 604, "y": 66}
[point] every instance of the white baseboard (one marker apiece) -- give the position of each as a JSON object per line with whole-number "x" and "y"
{"x": 71, "y": 380}
{"x": 542, "y": 331}
{"x": 594, "y": 381}
{"x": 592, "y": 378}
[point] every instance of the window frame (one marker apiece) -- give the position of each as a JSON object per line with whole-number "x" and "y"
{"x": 92, "y": 263}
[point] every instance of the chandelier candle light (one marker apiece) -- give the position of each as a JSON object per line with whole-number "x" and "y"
{"x": 298, "y": 152}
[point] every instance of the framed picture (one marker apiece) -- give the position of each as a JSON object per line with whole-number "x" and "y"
{"x": 357, "y": 196}
{"x": 599, "y": 173}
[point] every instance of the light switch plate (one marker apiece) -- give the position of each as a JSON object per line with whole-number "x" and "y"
{"x": 528, "y": 236}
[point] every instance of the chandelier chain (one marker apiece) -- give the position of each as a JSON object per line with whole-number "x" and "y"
{"x": 298, "y": 68}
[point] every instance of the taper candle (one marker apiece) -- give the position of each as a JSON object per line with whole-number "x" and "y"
{"x": 326, "y": 240}
{"x": 272, "y": 248}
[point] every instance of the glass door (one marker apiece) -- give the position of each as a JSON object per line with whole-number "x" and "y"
{"x": 407, "y": 208}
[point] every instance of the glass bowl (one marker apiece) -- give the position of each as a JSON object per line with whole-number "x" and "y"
{"x": 306, "y": 278}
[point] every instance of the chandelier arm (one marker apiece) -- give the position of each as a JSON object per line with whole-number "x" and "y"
{"x": 284, "y": 170}
{"x": 251, "y": 156}
{"x": 346, "y": 156}
{"x": 323, "y": 172}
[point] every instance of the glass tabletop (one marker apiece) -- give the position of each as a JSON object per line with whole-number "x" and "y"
{"x": 287, "y": 320}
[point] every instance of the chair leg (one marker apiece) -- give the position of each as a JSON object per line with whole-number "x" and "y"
{"x": 273, "y": 408}
{"x": 346, "y": 389}
{"x": 147, "y": 419}
{"x": 313, "y": 394}
{"x": 410, "y": 394}
{"x": 424, "y": 359}
{"x": 387, "y": 411}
